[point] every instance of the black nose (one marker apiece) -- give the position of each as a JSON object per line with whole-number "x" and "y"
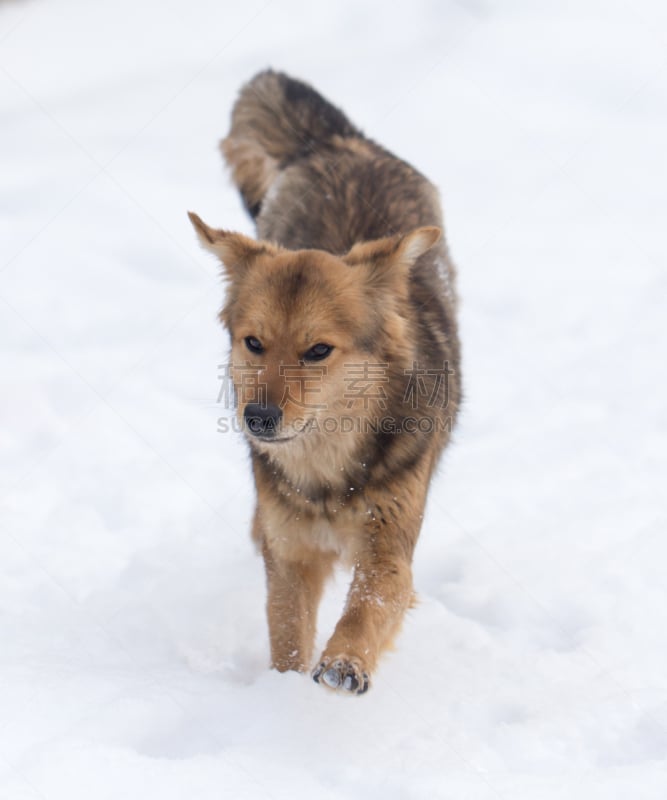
{"x": 262, "y": 421}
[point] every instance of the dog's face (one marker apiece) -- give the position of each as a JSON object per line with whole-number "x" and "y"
{"x": 314, "y": 336}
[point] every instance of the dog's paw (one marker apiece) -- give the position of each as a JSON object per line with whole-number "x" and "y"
{"x": 343, "y": 674}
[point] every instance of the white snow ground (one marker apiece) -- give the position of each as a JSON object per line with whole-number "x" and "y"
{"x": 133, "y": 651}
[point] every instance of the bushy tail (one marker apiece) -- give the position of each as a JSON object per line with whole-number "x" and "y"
{"x": 276, "y": 121}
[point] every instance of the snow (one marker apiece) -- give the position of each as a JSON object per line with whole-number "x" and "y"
{"x": 133, "y": 657}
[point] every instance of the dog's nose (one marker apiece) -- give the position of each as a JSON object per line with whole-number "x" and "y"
{"x": 262, "y": 421}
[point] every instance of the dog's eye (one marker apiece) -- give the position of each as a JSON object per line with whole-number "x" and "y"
{"x": 317, "y": 352}
{"x": 253, "y": 344}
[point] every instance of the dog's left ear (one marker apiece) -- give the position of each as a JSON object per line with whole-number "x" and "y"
{"x": 388, "y": 261}
{"x": 235, "y": 250}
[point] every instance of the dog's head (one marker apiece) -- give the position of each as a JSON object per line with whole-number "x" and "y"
{"x": 315, "y": 337}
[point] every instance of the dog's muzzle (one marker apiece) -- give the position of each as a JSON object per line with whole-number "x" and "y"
{"x": 262, "y": 421}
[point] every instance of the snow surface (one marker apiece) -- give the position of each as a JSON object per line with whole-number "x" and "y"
{"x": 133, "y": 649}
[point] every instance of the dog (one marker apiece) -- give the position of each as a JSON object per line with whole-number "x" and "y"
{"x": 345, "y": 364}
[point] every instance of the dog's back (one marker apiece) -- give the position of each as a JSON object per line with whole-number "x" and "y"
{"x": 312, "y": 180}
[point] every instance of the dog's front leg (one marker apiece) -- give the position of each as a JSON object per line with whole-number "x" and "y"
{"x": 380, "y": 592}
{"x": 294, "y": 592}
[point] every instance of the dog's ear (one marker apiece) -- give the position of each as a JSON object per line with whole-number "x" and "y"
{"x": 387, "y": 262}
{"x": 235, "y": 250}
{"x": 418, "y": 242}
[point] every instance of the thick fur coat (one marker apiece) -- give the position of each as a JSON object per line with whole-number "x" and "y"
{"x": 345, "y": 362}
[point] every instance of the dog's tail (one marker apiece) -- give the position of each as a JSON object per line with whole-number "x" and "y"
{"x": 277, "y": 120}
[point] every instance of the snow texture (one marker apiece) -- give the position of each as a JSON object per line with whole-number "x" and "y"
{"x": 133, "y": 647}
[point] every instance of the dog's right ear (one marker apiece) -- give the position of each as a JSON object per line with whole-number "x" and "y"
{"x": 234, "y": 250}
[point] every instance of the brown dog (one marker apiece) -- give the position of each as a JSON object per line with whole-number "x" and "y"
{"x": 345, "y": 364}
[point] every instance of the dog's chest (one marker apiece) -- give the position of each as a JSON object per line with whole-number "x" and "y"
{"x": 323, "y": 536}
{"x": 295, "y": 534}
